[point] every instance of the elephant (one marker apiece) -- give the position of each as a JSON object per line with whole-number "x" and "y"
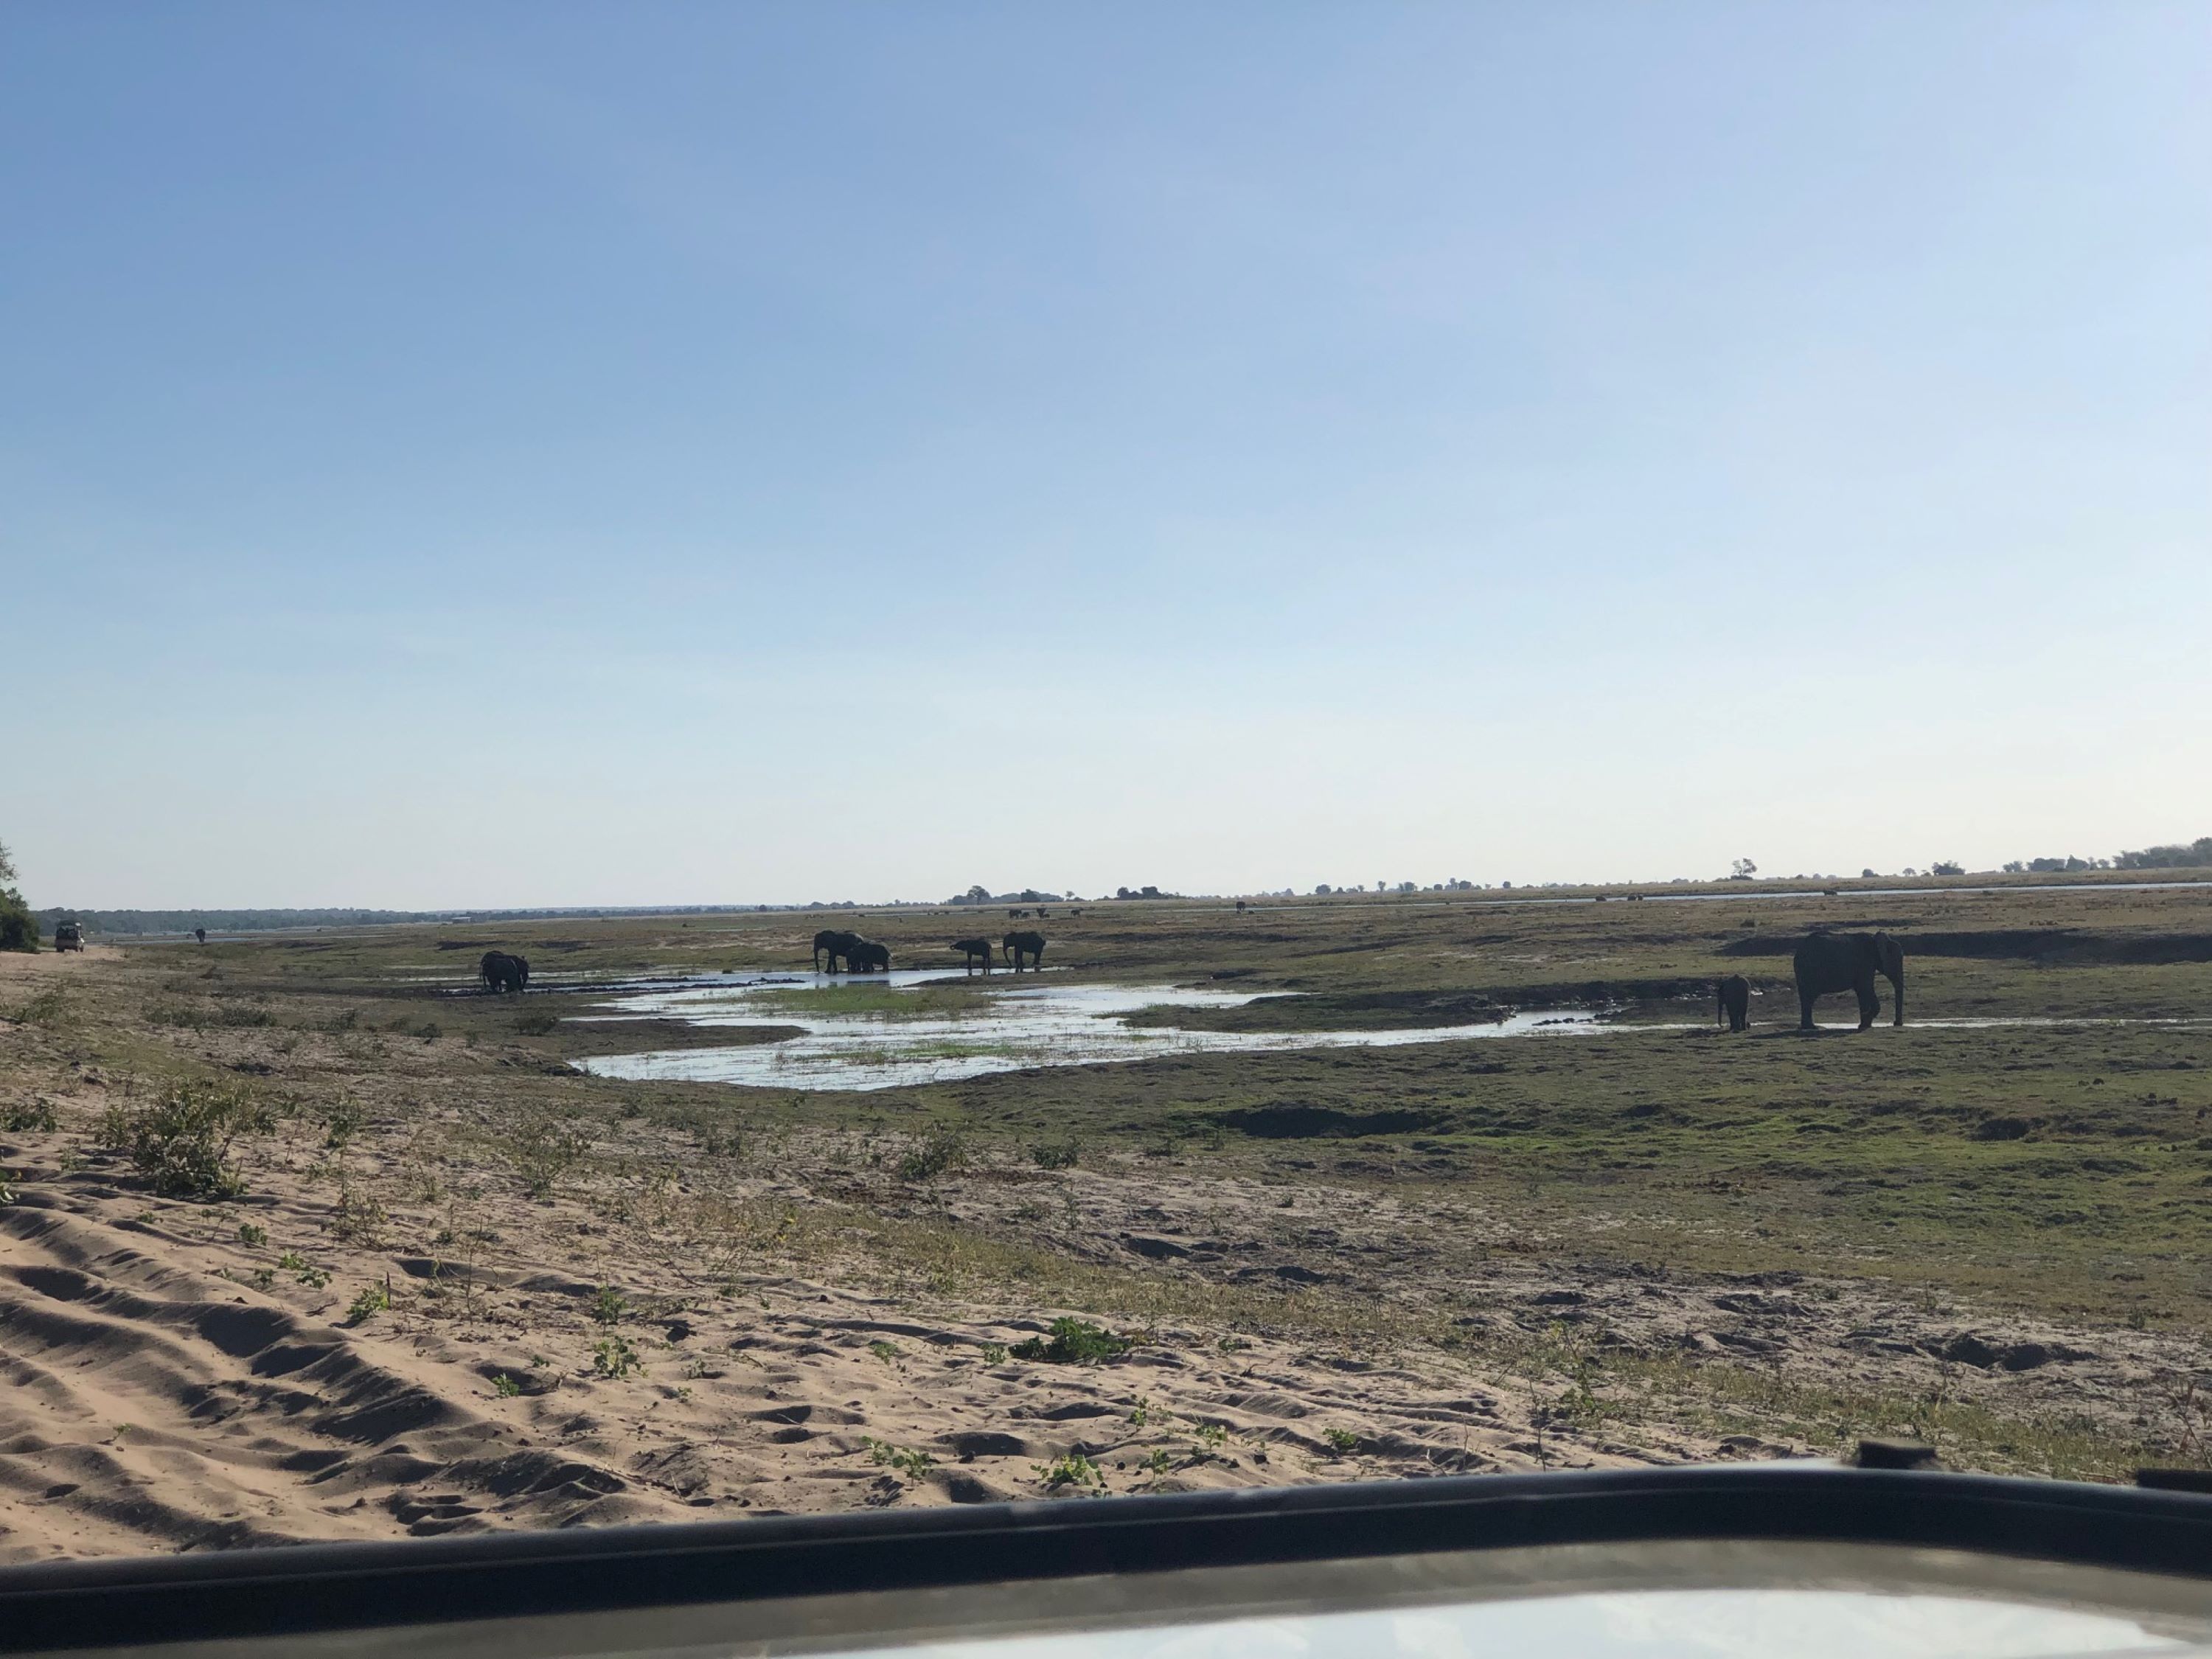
{"x": 1848, "y": 962}
{"x": 501, "y": 972}
{"x": 200, "y": 933}
{"x": 1733, "y": 1000}
{"x": 1017, "y": 945}
{"x": 837, "y": 943}
{"x": 974, "y": 948}
{"x": 865, "y": 955}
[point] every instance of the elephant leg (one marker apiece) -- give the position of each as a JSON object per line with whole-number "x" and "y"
{"x": 1869, "y": 1003}
{"x": 1804, "y": 1009}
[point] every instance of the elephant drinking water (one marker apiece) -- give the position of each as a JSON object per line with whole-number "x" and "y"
{"x": 1848, "y": 962}
{"x": 974, "y": 949}
{"x": 1017, "y": 945}
{"x": 837, "y": 942}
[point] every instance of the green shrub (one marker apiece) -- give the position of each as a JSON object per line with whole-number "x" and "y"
{"x": 941, "y": 1152}
{"x": 19, "y": 927}
{"x": 615, "y": 1357}
{"x": 1074, "y": 1470}
{"x": 1057, "y": 1154}
{"x": 544, "y": 1151}
{"x": 28, "y": 1115}
{"x": 1073, "y": 1342}
{"x": 181, "y": 1140}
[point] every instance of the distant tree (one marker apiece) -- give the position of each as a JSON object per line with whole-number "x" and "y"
{"x": 979, "y": 894}
{"x": 1866, "y": 875}
{"x": 1946, "y": 867}
{"x": 2016, "y": 868}
{"x": 7, "y": 865}
{"x": 2195, "y": 855}
{"x": 1742, "y": 869}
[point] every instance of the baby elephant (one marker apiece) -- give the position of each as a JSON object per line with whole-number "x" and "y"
{"x": 973, "y": 949}
{"x": 867, "y": 957}
{"x": 1734, "y": 997}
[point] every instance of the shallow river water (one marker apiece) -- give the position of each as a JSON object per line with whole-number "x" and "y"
{"x": 1041, "y": 1021}
{"x": 1044, "y": 1022}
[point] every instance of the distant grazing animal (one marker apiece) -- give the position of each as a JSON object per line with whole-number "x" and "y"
{"x": 1016, "y": 916}
{"x": 837, "y": 943}
{"x": 501, "y": 972}
{"x": 200, "y": 933}
{"x": 1734, "y": 997}
{"x": 865, "y": 955}
{"x": 1017, "y": 945}
{"x": 972, "y": 949}
{"x": 68, "y": 936}
{"x": 1848, "y": 962}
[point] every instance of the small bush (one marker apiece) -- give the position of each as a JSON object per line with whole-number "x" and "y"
{"x": 49, "y": 1007}
{"x": 615, "y": 1357}
{"x": 544, "y": 1151}
{"x": 1342, "y": 1440}
{"x": 886, "y": 1351}
{"x": 913, "y": 1463}
{"x": 995, "y": 1353}
{"x": 376, "y": 1299}
{"x": 941, "y": 1152}
{"x": 609, "y": 1306}
{"x": 181, "y": 1141}
{"x": 250, "y": 1234}
{"x": 1073, "y": 1342}
{"x": 342, "y": 1121}
{"x": 1057, "y": 1154}
{"x": 24, "y": 1115}
{"x": 1072, "y": 1470}
{"x": 505, "y": 1386}
{"x": 537, "y": 1025}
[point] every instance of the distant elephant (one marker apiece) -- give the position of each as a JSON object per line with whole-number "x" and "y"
{"x": 837, "y": 943}
{"x": 1017, "y": 945}
{"x": 1016, "y": 916}
{"x": 1734, "y": 998}
{"x": 501, "y": 972}
{"x": 865, "y": 955}
{"x": 1848, "y": 962}
{"x": 974, "y": 948}
{"x": 200, "y": 933}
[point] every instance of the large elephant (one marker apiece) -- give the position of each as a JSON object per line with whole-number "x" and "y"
{"x": 837, "y": 943}
{"x": 1017, "y": 945}
{"x": 973, "y": 948}
{"x": 865, "y": 955}
{"x": 1848, "y": 962}
{"x": 1733, "y": 1001}
{"x": 501, "y": 972}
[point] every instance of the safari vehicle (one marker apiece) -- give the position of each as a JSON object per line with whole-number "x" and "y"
{"x": 1798, "y": 1558}
{"x": 69, "y": 936}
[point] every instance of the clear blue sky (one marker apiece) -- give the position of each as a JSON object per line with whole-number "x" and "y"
{"x": 538, "y": 453}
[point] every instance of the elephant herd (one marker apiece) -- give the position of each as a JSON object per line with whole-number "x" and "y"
{"x": 856, "y": 955}
{"x": 1827, "y": 963}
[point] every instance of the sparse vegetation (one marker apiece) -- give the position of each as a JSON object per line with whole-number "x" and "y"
{"x": 913, "y": 1463}
{"x": 181, "y": 1140}
{"x": 1074, "y": 1470}
{"x": 1073, "y": 1342}
{"x": 36, "y": 1115}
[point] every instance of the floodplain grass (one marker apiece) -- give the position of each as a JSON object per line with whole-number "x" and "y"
{"x": 2061, "y": 1171}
